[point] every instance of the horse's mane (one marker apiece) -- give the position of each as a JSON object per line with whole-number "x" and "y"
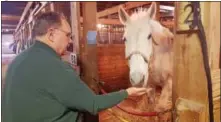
{"x": 138, "y": 14}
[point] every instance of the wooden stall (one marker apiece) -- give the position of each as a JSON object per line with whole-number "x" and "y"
{"x": 114, "y": 71}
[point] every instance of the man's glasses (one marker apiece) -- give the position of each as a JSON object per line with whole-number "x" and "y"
{"x": 68, "y": 34}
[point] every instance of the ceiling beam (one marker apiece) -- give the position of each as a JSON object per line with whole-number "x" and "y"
{"x": 105, "y": 21}
{"x": 112, "y": 10}
{"x": 117, "y": 22}
{"x": 7, "y": 17}
{"x": 127, "y": 5}
{"x": 109, "y": 21}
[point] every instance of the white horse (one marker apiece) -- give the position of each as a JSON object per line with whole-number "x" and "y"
{"x": 148, "y": 49}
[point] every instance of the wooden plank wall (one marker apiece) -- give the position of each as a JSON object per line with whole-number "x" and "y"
{"x": 188, "y": 63}
{"x": 189, "y": 74}
{"x": 213, "y": 38}
{"x": 112, "y": 67}
{"x": 216, "y": 94}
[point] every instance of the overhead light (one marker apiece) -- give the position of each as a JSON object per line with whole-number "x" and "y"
{"x": 170, "y": 8}
{"x": 99, "y": 26}
{"x": 6, "y": 30}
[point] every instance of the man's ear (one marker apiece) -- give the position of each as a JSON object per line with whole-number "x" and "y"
{"x": 50, "y": 34}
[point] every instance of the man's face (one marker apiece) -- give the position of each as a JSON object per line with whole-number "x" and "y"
{"x": 62, "y": 37}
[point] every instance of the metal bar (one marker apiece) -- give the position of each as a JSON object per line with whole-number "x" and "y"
{"x": 27, "y": 7}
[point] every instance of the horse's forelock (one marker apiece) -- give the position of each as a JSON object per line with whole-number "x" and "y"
{"x": 139, "y": 14}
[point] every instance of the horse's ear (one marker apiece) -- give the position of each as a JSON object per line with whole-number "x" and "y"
{"x": 152, "y": 10}
{"x": 123, "y": 16}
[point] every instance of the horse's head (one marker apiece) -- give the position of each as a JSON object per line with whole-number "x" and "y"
{"x": 140, "y": 32}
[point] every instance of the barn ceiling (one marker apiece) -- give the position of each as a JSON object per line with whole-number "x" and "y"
{"x": 12, "y": 12}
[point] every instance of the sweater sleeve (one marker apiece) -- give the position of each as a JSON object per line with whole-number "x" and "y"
{"x": 75, "y": 94}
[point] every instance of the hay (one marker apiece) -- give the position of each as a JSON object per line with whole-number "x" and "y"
{"x": 135, "y": 104}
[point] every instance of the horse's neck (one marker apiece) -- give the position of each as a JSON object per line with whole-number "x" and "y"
{"x": 159, "y": 51}
{"x": 163, "y": 59}
{"x": 161, "y": 64}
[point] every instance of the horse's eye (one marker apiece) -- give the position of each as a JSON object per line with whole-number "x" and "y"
{"x": 124, "y": 39}
{"x": 149, "y": 36}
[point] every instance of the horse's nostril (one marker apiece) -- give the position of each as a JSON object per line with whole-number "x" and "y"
{"x": 137, "y": 78}
{"x": 142, "y": 79}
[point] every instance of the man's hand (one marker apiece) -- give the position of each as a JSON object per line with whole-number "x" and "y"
{"x": 134, "y": 91}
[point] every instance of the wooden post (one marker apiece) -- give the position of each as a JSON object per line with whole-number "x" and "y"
{"x": 214, "y": 35}
{"x": 189, "y": 80}
{"x": 88, "y": 47}
{"x": 75, "y": 24}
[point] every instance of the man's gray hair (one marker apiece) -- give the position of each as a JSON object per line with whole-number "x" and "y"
{"x": 45, "y": 21}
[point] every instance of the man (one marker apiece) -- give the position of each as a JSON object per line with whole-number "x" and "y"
{"x": 40, "y": 87}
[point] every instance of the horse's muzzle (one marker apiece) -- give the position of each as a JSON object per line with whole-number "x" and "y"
{"x": 137, "y": 79}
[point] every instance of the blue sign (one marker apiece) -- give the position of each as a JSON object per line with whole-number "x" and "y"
{"x": 91, "y": 37}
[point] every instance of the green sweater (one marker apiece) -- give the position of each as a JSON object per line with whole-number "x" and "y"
{"x": 40, "y": 87}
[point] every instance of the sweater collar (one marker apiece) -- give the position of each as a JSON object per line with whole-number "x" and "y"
{"x": 41, "y": 45}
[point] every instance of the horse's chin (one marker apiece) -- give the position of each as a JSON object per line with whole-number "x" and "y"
{"x": 140, "y": 85}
